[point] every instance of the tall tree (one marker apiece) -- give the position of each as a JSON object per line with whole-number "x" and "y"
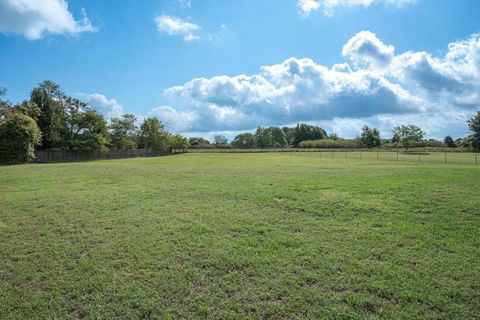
{"x": 153, "y": 135}
{"x": 220, "y": 139}
{"x": 449, "y": 142}
{"x": 49, "y": 98}
{"x": 278, "y": 137}
{"x": 407, "y": 135}
{"x": 263, "y": 137}
{"x": 308, "y": 132}
{"x": 370, "y": 138}
{"x": 474, "y": 126}
{"x": 197, "y": 141}
{"x": 244, "y": 141}
{"x": 90, "y": 133}
{"x": 123, "y": 132}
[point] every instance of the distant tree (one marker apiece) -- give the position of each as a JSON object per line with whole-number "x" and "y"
{"x": 153, "y": 135}
{"x": 305, "y": 132}
{"x": 177, "y": 141}
{"x": 449, "y": 142}
{"x": 19, "y": 135}
{"x": 278, "y": 137}
{"x": 220, "y": 139}
{"x": 244, "y": 141}
{"x": 123, "y": 132}
{"x": 474, "y": 126}
{"x": 370, "y": 138}
{"x": 197, "y": 141}
{"x": 263, "y": 137}
{"x": 407, "y": 135}
{"x": 289, "y": 135}
{"x": 333, "y": 136}
{"x": 49, "y": 98}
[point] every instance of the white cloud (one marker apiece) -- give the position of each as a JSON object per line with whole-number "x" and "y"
{"x": 307, "y": 6}
{"x": 110, "y": 108}
{"x": 174, "y": 26}
{"x": 376, "y": 86}
{"x": 34, "y": 18}
{"x": 365, "y": 49}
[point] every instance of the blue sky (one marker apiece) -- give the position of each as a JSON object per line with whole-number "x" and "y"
{"x": 204, "y": 67}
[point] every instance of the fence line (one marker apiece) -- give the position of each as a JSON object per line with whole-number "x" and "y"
{"x": 46, "y": 156}
{"x": 446, "y": 157}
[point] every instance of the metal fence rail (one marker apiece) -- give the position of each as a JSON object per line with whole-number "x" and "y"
{"x": 446, "y": 157}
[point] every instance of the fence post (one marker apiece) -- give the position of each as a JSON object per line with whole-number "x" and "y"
{"x": 476, "y": 162}
{"x": 445, "y": 156}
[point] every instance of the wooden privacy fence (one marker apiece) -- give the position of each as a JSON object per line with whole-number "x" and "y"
{"x": 45, "y": 156}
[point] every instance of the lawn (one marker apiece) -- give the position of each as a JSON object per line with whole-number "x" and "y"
{"x": 235, "y": 236}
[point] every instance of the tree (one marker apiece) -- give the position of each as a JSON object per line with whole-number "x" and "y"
{"x": 244, "y": 141}
{"x": 370, "y": 138}
{"x": 49, "y": 99}
{"x": 334, "y": 136}
{"x": 263, "y": 137}
{"x": 177, "y": 141}
{"x": 278, "y": 137}
{"x": 3, "y": 104}
{"x": 449, "y": 142}
{"x": 153, "y": 135}
{"x": 407, "y": 135}
{"x": 123, "y": 132}
{"x": 198, "y": 141}
{"x": 289, "y": 135}
{"x": 474, "y": 126}
{"x": 19, "y": 135}
{"x": 308, "y": 132}
{"x": 220, "y": 139}
{"x": 91, "y": 132}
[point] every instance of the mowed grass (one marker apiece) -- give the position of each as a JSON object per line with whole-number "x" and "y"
{"x": 235, "y": 236}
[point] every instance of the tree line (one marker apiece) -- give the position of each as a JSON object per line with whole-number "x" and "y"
{"x": 310, "y": 136}
{"x": 50, "y": 119}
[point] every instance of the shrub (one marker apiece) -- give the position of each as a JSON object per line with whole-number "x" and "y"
{"x": 328, "y": 143}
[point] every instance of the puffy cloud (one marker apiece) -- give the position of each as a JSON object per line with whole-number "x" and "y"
{"x": 34, "y": 18}
{"x": 365, "y": 49}
{"x": 307, "y": 6}
{"x": 376, "y": 86}
{"x": 175, "y": 26}
{"x": 110, "y": 108}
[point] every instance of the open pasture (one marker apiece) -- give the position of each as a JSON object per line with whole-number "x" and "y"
{"x": 235, "y": 236}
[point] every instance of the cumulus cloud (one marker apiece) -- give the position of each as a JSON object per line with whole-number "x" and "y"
{"x": 34, "y": 18}
{"x": 376, "y": 86}
{"x": 307, "y": 6}
{"x": 365, "y": 49}
{"x": 110, "y": 108}
{"x": 174, "y": 26}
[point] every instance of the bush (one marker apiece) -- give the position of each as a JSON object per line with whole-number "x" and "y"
{"x": 328, "y": 143}
{"x": 19, "y": 135}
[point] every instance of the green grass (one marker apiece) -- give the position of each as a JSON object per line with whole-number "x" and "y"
{"x": 235, "y": 236}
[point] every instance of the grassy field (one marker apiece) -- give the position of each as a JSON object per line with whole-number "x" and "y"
{"x": 235, "y": 236}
